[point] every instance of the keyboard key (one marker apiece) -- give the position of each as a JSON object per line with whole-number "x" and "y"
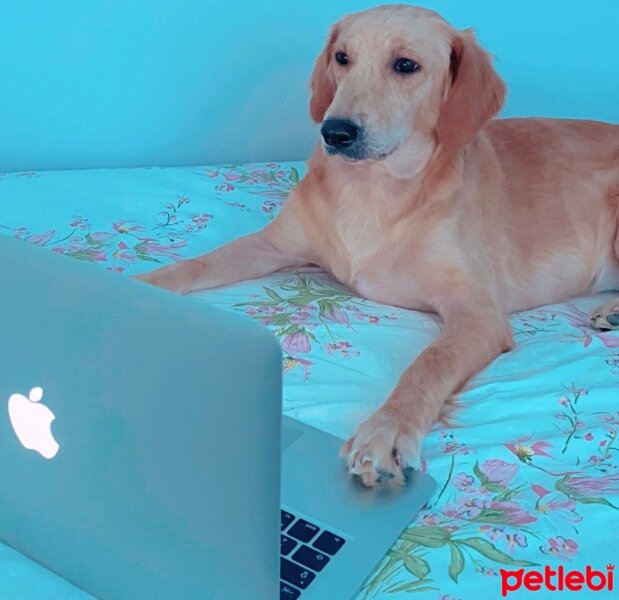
{"x": 287, "y": 545}
{"x": 286, "y": 518}
{"x": 308, "y": 557}
{"x": 329, "y": 542}
{"x": 295, "y": 575}
{"x": 303, "y": 531}
{"x": 287, "y": 592}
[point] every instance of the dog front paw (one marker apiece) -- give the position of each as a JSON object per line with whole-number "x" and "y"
{"x": 177, "y": 277}
{"x": 606, "y": 317}
{"x": 382, "y": 449}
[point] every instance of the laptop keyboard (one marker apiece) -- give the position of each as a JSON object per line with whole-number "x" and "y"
{"x": 306, "y": 549}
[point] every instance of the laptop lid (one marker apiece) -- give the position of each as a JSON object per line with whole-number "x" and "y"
{"x": 166, "y": 414}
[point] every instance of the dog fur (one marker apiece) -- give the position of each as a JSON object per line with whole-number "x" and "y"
{"x": 448, "y": 211}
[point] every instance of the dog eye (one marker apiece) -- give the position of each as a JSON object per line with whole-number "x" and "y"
{"x": 405, "y": 65}
{"x": 341, "y": 57}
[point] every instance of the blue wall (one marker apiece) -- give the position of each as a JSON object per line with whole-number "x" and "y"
{"x": 163, "y": 82}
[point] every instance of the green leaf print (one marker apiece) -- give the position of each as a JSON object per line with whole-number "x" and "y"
{"x": 427, "y": 535}
{"x": 490, "y": 551}
{"x": 457, "y": 561}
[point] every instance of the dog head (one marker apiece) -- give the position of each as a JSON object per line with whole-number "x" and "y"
{"x": 395, "y": 81}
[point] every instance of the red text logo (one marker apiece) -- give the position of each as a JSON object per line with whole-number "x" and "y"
{"x": 557, "y": 581}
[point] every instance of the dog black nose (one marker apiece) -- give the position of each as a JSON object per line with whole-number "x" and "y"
{"x": 339, "y": 133}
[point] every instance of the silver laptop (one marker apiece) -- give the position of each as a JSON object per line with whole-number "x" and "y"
{"x": 140, "y": 451}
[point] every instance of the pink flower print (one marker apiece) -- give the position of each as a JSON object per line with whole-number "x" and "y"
{"x": 454, "y": 447}
{"x": 224, "y": 187}
{"x": 510, "y": 540}
{"x": 155, "y": 248}
{"x": 466, "y": 508}
{"x": 560, "y": 547}
{"x": 290, "y": 363}
{"x": 94, "y": 254}
{"x": 101, "y": 236}
{"x": 463, "y": 482}
{"x": 79, "y": 222}
{"x": 122, "y": 227}
{"x": 608, "y": 339}
{"x": 182, "y": 200}
{"x": 335, "y": 314}
{"x": 525, "y": 453}
{"x": 123, "y": 253}
{"x": 608, "y": 418}
{"x": 588, "y": 436}
{"x": 580, "y": 319}
{"x": 553, "y": 502}
{"x": 297, "y": 342}
{"x": 512, "y": 513}
{"x": 581, "y": 486}
{"x": 499, "y": 471}
{"x": 432, "y": 519}
{"x": 515, "y": 540}
{"x": 539, "y": 490}
{"x": 575, "y": 317}
{"x": 232, "y": 177}
{"x": 300, "y": 317}
{"x": 201, "y": 219}
{"x": 493, "y": 533}
{"x": 42, "y": 238}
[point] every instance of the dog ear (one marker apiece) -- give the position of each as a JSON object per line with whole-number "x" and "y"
{"x": 322, "y": 84}
{"x": 476, "y": 95}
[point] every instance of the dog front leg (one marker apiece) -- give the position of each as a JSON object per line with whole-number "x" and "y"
{"x": 283, "y": 243}
{"x": 245, "y": 258}
{"x": 389, "y": 440}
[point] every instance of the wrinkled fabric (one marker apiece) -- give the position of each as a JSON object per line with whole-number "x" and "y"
{"x": 527, "y": 476}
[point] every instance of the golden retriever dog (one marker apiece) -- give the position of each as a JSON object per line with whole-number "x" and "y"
{"x": 416, "y": 198}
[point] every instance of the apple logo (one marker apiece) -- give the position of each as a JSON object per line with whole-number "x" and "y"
{"x": 32, "y": 421}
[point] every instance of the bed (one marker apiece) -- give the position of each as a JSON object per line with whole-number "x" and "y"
{"x": 527, "y": 475}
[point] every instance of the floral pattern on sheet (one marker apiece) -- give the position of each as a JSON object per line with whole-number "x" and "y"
{"x": 121, "y": 243}
{"x": 272, "y": 181}
{"x": 528, "y": 476}
{"x": 570, "y": 325}
{"x": 523, "y": 509}
{"x": 162, "y": 236}
{"x": 316, "y": 314}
